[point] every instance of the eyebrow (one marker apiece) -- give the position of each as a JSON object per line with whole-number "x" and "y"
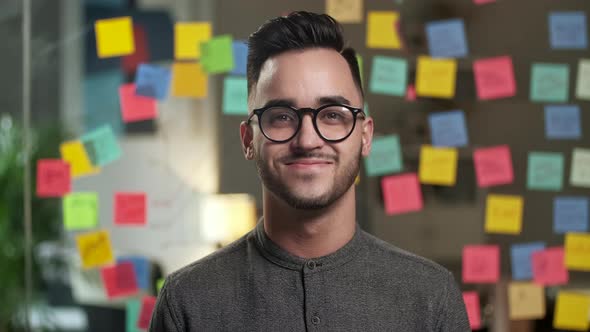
{"x": 321, "y": 100}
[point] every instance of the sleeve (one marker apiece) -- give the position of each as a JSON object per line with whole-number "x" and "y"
{"x": 453, "y": 314}
{"x": 163, "y": 317}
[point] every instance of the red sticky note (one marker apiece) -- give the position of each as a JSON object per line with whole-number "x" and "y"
{"x": 493, "y": 166}
{"x": 549, "y": 267}
{"x": 481, "y": 264}
{"x": 411, "y": 93}
{"x": 130, "y": 209}
{"x": 481, "y": 2}
{"x": 471, "y": 300}
{"x": 135, "y": 107}
{"x": 401, "y": 193}
{"x": 494, "y": 78}
{"x": 119, "y": 280}
{"x": 53, "y": 178}
{"x": 130, "y": 62}
{"x": 145, "y": 313}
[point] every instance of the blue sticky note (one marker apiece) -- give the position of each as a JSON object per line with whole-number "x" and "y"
{"x": 141, "y": 265}
{"x": 133, "y": 307}
{"x": 521, "y": 258}
{"x": 101, "y": 146}
{"x": 545, "y": 171}
{"x": 240, "y": 49}
{"x": 389, "y": 76}
{"x": 567, "y": 30}
{"x": 101, "y": 100}
{"x": 562, "y": 122}
{"x": 446, "y": 38}
{"x": 570, "y": 214}
{"x": 550, "y": 82}
{"x": 235, "y": 95}
{"x": 385, "y": 157}
{"x": 152, "y": 81}
{"x": 448, "y": 128}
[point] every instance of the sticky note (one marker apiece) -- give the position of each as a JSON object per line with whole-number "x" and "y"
{"x": 562, "y": 122}
{"x": 436, "y": 77}
{"x": 119, "y": 280}
{"x": 73, "y": 153}
{"x": 135, "y": 107}
{"x": 385, "y": 156}
{"x": 545, "y": 171}
{"x": 448, "y": 128}
{"x": 188, "y": 37}
{"x": 235, "y": 95}
{"x": 577, "y": 251}
{"x": 401, "y": 193}
{"x": 114, "y": 37}
{"x": 482, "y": 2}
{"x": 160, "y": 284}
{"x": 571, "y": 311}
{"x": 345, "y": 11}
{"x": 359, "y": 61}
{"x": 130, "y": 62}
{"x": 132, "y": 307}
{"x": 521, "y": 259}
{"x": 438, "y": 166}
{"x": 381, "y": 30}
{"x": 240, "y": 49}
{"x": 389, "y": 76}
{"x": 504, "y": 214}
{"x": 570, "y": 214}
{"x": 580, "y": 169}
{"x": 583, "y": 79}
{"x": 493, "y": 166}
{"x": 567, "y": 30}
{"x": 494, "y": 78}
{"x": 446, "y": 38}
{"x": 549, "y": 267}
{"x": 550, "y": 82}
{"x": 411, "y": 93}
{"x": 188, "y": 80}
{"x": 526, "y": 300}
{"x": 148, "y": 303}
{"x": 481, "y": 264}
{"x": 101, "y": 100}
{"x": 141, "y": 266}
{"x": 471, "y": 300}
{"x": 217, "y": 54}
{"x": 53, "y": 178}
{"x": 95, "y": 249}
{"x": 80, "y": 210}
{"x": 130, "y": 209}
{"x": 102, "y": 146}
{"x": 152, "y": 81}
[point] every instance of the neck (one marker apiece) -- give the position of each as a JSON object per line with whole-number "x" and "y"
{"x": 310, "y": 233}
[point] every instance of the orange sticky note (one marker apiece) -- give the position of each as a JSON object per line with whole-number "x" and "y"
{"x": 435, "y": 77}
{"x": 526, "y": 300}
{"x": 577, "y": 251}
{"x": 481, "y": 264}
{"x": 119, "y": 280}
{"x": 493, "y": 166}
{"x": 504, "y": 214}
{"x": 53, "y": 178}
{"x": 471, "y": 300}
{"x": 382, "y": 31}
{"x": 114, "y": 37}
{"x": 438, "y": 165}
{"x": 549, "y": 267}
{"x": 130, "y": 209}
{"x": 345, "y": 11}
{"x": 571, "y": 311}
{"x": 189, "y": 80}
{"x": 95, "y": 249}
{"x": 73, "y": 153}
{"x": 401, "y": 193}
{"x": 188, "y": 37}
{"x": 148, "y": 303}
{"x": 135, "y": 107}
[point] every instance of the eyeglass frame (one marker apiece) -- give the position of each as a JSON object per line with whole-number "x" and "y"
{"x": 301, "y": 113}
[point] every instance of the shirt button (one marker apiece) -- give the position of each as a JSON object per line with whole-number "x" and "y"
{"x": 315, "y": 320}
{"x": 311, "y": 265}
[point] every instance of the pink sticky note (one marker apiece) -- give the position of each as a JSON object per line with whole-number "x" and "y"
{"x": 130, "y": 209}
{"x": 53, "y": 178}
{"x": 119, "y": 280}
{"x": 549, "y": 267}
{"x": 494, "y": 78}
{"x": 401, "y": 193}
{"x": 135, "y": 107}
{"x": 411, "y": 93}
{"x": 481, "y": 264}
{"x": 145, "y": 313}
{"x": 481, "y": 2}
{"x": 471, "y": 300}
{"x": 493, "y": 166}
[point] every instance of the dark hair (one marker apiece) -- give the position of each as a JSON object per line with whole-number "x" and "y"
{"x": 297, "y": 31}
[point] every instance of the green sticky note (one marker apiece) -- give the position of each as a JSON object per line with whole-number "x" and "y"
{"x": 580, "y": 169}
{"x": 550, "y": 82}
{"x": 133, "y": 307}
{"x": 160, "y": 284}
{"x": 217, "y": 55}
{"x": 389, "y": 76}
{"x": 366, "y": 109}
{"x": 101, "y": 145}
{"x": 235, "y": 95}
{"x": 80, "y": 210}
{"x": 545, "y": 171}
{"x": 359, "y": 60}
{"x": 385, "y": 157}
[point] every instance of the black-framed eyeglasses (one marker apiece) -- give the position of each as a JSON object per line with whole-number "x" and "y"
{"x": 333, "y": 122}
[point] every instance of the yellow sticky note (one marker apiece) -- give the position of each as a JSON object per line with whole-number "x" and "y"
{"x": 189, "y": 80}
{"x": 504, "y": 214}
{"x": 526, "y": 300}
{"x": 114, "y": 37}
{"x": 577, "y": 251}
{"x": 95, "y": 249}
{"x": 382, "y": 31}
{"x": 571, "y": 311}
{"x": 74, "y": 153}
{"x": 436, "y": 77}
{"x": 345, "y": 11}
{"x": 438, "y": 165}
{"x": 188, "y": 37}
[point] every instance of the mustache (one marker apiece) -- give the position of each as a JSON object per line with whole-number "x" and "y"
{"x": 307, "y": 155}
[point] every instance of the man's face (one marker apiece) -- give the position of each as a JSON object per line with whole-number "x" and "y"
{"x": 307, "y": 172}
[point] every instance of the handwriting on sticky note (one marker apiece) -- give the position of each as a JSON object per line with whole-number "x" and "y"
{"x": 494, "y": 78}
{"x": 571, "y": 214}
{"x": 583, "y": 79}
{"x": 571, "y": 311}
{"x": 438, "y": 165}
{"x": 545, "y": 171}
{"x": 73, "y": 153}
{"x": 471, "y": 300}
{"x": 152, "y": 81}
{"x": 381, "y": 30}
{"x": 134, "y": 107}
{"x": 130, "y": 209}
{"x": 562, "y": 122}
{"x": 504, "y": 214}
{"x": 114, "y": 37}
{"x": 148, "y": 303}
{"x": 549, "y": 82}
{"x": 526, "y": 300}
{"x": 448, "y": 128}
{"x": 80, "y": 210}
{"x": 95, "y": 249}
{"x": 102, "y": 145}
{"x": 577, "y": 251}
{"x": 119, "y": 280}
{"x": 53, "y": 178}
{"x": 401, "y": 193}
{"x": 385, "y": 156}
{"x": 187, "y": 38}
{"x": 389, "y": 76}
{"x": 493, "y": 166}
{"x": 189, "y": 80}
{"x": 345, "y": 11}
{"x": 481, "y": 263}
{"x": 217, "y": 54}
{"x": 446, "y": 38}
{"x": 436, "y": 77}
{"x": 235, "y": 95}
{"x": 580, "y": 169}
{"x": 549, "y": 267}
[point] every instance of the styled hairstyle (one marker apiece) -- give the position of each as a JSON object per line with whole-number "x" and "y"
{"x": 297, "y": 31}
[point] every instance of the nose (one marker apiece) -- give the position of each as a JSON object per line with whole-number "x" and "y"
{"x": 307, "y": 138}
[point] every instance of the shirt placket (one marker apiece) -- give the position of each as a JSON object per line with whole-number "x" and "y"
{"x": 314, "y": 319}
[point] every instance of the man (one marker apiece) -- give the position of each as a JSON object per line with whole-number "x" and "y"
{"x": 307, "y": 265}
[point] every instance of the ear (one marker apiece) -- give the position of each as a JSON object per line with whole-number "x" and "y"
{"x": 246, "y": 137}
{"x": 367, "y": 136}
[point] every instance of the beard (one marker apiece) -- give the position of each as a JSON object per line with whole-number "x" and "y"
{"x": 343, "y": 179}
